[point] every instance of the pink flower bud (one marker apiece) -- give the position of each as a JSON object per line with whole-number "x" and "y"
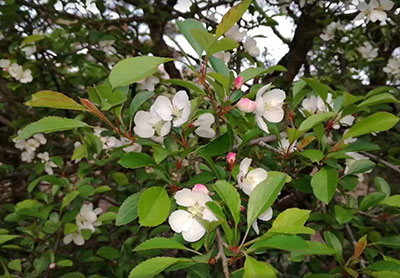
{"x": 246, "y": 105}
{"x": 231, "y": 157}
{"x": 200, "y": 187}
{"x": 52, "y": 265}
{"x": 238, "y": 82}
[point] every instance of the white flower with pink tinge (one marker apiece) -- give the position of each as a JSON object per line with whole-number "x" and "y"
{"x": 247, "y": 181}
{"x": 187, "y": 221}
{"x": 204, "y": 122}
{"x": 269, "y": 106}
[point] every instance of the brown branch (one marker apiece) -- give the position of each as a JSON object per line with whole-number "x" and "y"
{"x": 221, "y": 254}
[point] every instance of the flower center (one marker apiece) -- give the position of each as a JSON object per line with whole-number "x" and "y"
{"x": 248, "y": 179}
{"x": 176, "y": 112}
{"x": 196, "y": 210}
{"x": 158, "y": 126}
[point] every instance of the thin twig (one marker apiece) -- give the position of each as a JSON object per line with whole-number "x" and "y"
{"x": 384, "y": 162}
{"x": 221, "y": 254}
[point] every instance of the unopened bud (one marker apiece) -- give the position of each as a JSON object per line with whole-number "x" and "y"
{"x": 238, "y": 83}
{"x": 246, "y": 105}
{"x": 231, "y": 157}
{"x": 200, "y": 187}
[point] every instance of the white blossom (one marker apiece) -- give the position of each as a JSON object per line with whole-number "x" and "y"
{"x": 177, "y": 111}
{"x": 347, "y": 121}
{"x": 27, "y": 156}
{"x": 330, "y": 30}
{"x": 4, "y": 64}
{"x": 247, "y": 181}
{"x": 374, "y": 10}
{"x": 187, "y": 221}
{"x": 234, "y": 33}
{"x": 224, "y": 56}
{"x": 48, "y": 164}
{"x": 87, "y": 217}
{"x": 28, "y": 49}
{"x": 204, "y": 122}
{"x": 286, "y": 147}
{"x": 250, "y": 46}
{"x": 147, "y": 124}
{"x": 393, "y": 67}
{"x": 269, "y": 106}
{"x": 76, "y": 237}
{"x": 148, "y": 84}
{"x": 310, "y": 104}
{"x": 367, "y": 51}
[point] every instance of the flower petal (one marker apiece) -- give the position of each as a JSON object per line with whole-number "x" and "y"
{"x": 185, "y": 197}
{"x": 266, "y": 215}
{"x": 244, "y": 165}
{"x": 261, "y": 124}
{"x": 195, "y": 232}
{"x": 163, "y": 107}
{"x": 180, "y": 220}
{"x": 274, "y": 115}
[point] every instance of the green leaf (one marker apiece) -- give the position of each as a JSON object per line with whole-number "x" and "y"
{"x": 69, "y": 198}
{"x": 256, "y": 269}
{"x": 291, "y": 221}
{"x": 379, "y": 121}
{"x": 120, "y": 178}
{"x": 382, "y": 186}
{"x": 205, "y": 39}
{"x": 320, "y": 88}
{"x": 160, "y": 243}
{"x": 231, "y": 198}
{"x": 128, "y": 210}
{"x": 282, "y": 242}
{"x": 314, "y": 120}
{"x": 159, "y": 154}
{"x": 138, "y": 100}
{"x": 218, "y": 146}
{"x": 343, "y": 215}
{"x": 53, "y": 99}
{"x": 333, "y": 242}
{"x": 313, "y": 155}
{"x": 15, "y": 265}
{"x": 73, "y": 275}
{"x": 324, "y": 183}
{"x": 5, "y": 238}
{"x": 69, "y": 228}
{"x": 185, "y": 27}
{"x": 318, "y": 248}
{"x": 360, "y": 166}
{"x": 371, "y": 200}
{"x": 48, "y": 125}
{"x": 384, "y": 266}
{"x": 263, "y": 196}
{"x": 231, "y": 17}
{"x": 219, "y": 66}
{"x": 134, "y": 69}
{"x": 202, "y": 178}
{"x": 64, "y": 263}
{"x": 251, "y": 73}
{"x": 224, "y": 44}
{"x": 32, "y": 39}
{"x": 109, "y": 97}
{"x": 134, "y": 160}
{"x": 184, "y": 83}
{"x": 108, "y": 252}
{"x": 393, "y": 201}
{"x": 390, "y": 241}
{"x": 153, "y": 206}
{"x": 378, "y": 99}
{"x": 153, "y": 266}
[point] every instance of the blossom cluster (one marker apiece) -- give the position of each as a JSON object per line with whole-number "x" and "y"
{"x": 16, "y": 71}
{"x": 85, "y": 220}
{"x": 374, "y": 10}
{"x": 165, "y": 114}
{"x": 111, "y": 142}
{"x": 29, "y": 146}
